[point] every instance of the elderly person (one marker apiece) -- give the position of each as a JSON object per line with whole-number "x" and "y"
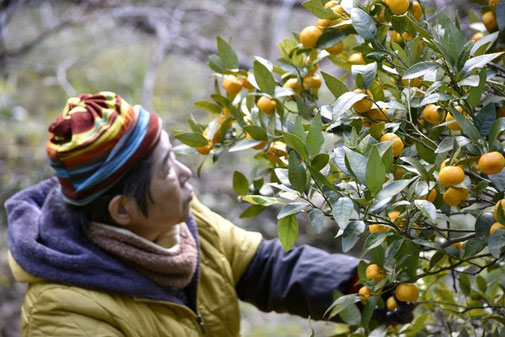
{"x": 117, "y": 244}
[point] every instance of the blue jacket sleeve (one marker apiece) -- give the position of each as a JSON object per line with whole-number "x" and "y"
{"x": 300, "y": 282}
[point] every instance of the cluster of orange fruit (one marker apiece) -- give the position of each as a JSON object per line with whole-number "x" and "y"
{"x": 497, "y": 224}
{"x": 404, "y": 292}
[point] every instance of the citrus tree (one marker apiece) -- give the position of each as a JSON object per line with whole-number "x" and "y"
{"x": 406, "y": 159}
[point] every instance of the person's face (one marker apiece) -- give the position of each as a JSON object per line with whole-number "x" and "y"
{"x": 171, "y": 193}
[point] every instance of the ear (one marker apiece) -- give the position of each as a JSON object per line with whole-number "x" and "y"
{"x": 121, "y": 210}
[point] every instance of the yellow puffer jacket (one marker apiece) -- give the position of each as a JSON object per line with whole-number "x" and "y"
{"x": 51, "y": 309}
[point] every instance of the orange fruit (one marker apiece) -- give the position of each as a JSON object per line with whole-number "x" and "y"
{"x": 430, "y": 196}
{"x": 407, "y": 292}
{"x": 495, "y": 227}
{"x": 451, "y": 175}
{"x": 477, "y": 36}
{"x": 398, "y": 7}
{"x": 397, "y": 143}
{"x": 417, "y": 10}
{"x": 336, "y": 49}
{"x": 356, "y": 58}
{"x": 493, "y": 3}
{"x": 321, "y": 23}
{"x": 430, "y": 114}
{"x": 246, "y": 84}
{"x": 501, "y": 112}
{"x": 458, "y": 245}
{"x": 391, "y": 303}
{"x": 378, "y": 228}
{"x": 266, "y": 105}
{"x": 444, "y": 164}
{"x": 373, "y": 271}
{"x": 393, "y": 215}
{"x": 489, "y": 20}
{"x": 330, "y": 4}
{"x": 364, "y": 293}
{"x": 454, "y": 196}
{"x": 364, "y": 104}
{"x": 309, "y": 36}
{"x": 415, "y": 82}
{"x": 275, "y": 151}
{"x": 232, "y": 85}
{"x": 496, "y": 207}
{"x": 491, "y": 162}
{"x": 292, "y": 83}
{"x": 454, "y": 125}
{"x": 398, "y": 173}
{"x": 313, "y": 82}
{"x": 377, "y": 114}
{"x": 395, "y": 36}
{"x": 204, "y": 149}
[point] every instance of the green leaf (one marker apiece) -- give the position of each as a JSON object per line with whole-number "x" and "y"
{"x": 192, "y": 139}
{"x": 299, "y": 130}
{"x": 315, "y": 137}
{"x": 375, "y": 171}
{"x": 214, "y": 108}
{"x": 496, "y": 242}
{"x": 340, "y": 304}
{"x": 296, "y": 143}
{"x": 329, "y": 38}
{"x": 357, "y": 164}
{"x": 368, "y": 310}
{"x": 291, "y": 209}
{"x": 215, "y": 63}
{"x": 252, "y": 211}
{"x": 368, "y": 71}
{"x": 427, "y": 208}
{"x": 264, "y": 78}
{"x": 478, "y": 62}
{"x": 351, "y": 234}
{"x": 480, "y": 47}
{"x": 418, "y": 166}
{"x": 475, "y": 93}
{"x": 466, "y": 126}
{"x": 240, "y": 183}
{"x": 261, "y": 200}
{"x": 345, "y": 101}
{"x": 320, "y": 179}
{"x": 342, "y": 210}
{"x": 296, "y": 173}
{"x": 420, "y": 69}
{"x": 377, "y": 91}
{"x": 244, "y": 145}
{"x": 393, "y": 188}
{"x": 256, "y": 132}
{"x": 473, "y": 246}
{"x": 336, "y": 87}
{"x": 320, "y": 161}
{"x": 445, "y": 145}
{"x": 316, "y": 8}
{"x": 363, "y": 24}
{"x": 453, "y": 40}
{"x": 497, "y": 128}
{"x": 287, "y": 230}
{"x": 481, "y": 283}
{"x": 485, "y": 119}
{"x": 316, "y": 218}
{"x": 464, "y": 283}
{"x": 374, "y": 240}
{"x": 227, "y": 54}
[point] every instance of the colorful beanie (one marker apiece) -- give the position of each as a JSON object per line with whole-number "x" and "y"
{"x": 94, "y": 142}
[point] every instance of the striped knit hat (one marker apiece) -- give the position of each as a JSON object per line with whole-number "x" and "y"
{"x": 94, "y": 142}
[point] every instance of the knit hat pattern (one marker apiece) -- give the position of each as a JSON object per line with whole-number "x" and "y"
{"x": 96, "y": 140}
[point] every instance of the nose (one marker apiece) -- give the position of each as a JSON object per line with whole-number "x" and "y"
{"x": 184, "y": 173}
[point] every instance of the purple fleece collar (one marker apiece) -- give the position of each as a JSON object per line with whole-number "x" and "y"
{"x": 45, "y": 240}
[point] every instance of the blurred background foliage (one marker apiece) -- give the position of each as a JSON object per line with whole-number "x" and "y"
{"x": 150, "y": 52}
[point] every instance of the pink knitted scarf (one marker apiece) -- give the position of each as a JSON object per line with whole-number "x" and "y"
{"x": 170, "y": 267}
